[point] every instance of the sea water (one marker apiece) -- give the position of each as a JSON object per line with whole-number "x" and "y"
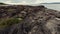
{"x": 52, "y": 6}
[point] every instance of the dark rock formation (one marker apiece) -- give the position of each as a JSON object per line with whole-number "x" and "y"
{"x": 36, "y": 20}
{"x": 2, "y": 3}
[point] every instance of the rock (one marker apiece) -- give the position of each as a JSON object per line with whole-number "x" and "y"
{"x": 36, "y": 20}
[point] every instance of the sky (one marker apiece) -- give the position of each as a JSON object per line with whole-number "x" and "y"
{"x": 27, "y": 1}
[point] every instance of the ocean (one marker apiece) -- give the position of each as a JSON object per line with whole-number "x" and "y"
{"x": 52, "y": 6}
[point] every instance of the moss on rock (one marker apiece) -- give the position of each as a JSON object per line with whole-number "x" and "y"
{"x": 9, "y": 21}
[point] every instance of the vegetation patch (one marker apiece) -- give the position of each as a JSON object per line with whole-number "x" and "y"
{"x": 9, "y": 22}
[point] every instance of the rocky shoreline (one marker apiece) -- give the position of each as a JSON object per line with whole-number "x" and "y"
{"x": 24, "y": 19}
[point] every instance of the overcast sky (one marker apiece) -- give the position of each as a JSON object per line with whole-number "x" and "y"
{"x": 27, "y": 1}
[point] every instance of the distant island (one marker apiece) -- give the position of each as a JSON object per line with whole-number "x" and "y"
{"x": 2, "y": 4}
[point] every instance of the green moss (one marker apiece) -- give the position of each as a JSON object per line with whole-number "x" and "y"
{"x": 9, "y": 22}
